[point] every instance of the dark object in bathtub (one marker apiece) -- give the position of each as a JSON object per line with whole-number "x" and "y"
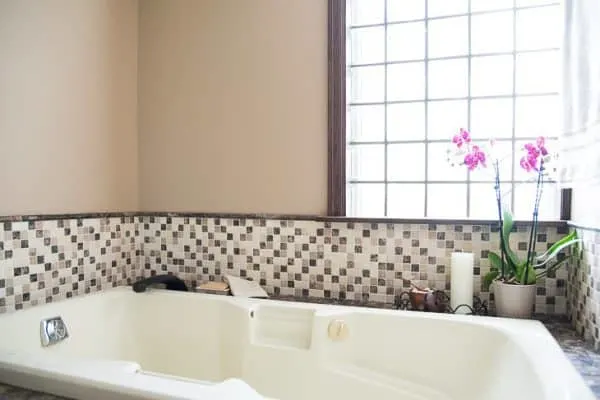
{"x": 427, "y": 300}
{"x": 417, "y": 299}
{"x": 169, "y": 281}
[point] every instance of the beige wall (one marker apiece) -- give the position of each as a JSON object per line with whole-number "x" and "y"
{"x": 68, "y": 123}
{"x": 233, "y": 105}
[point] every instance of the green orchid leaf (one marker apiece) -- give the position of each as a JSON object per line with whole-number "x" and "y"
{"x": 569, "y": 240}
{"x": 507, "y": 225}
{"x": 513, "y": 259}
{"x": 556, "y": 252}
{"x": 554, "y": 267}
{"x": 531, "y": 275}
{"x": 519, "y": 271}
{"x": 489, "y": 278}
{"x": 571, "y": 236}
{"x": 495, "y": 261}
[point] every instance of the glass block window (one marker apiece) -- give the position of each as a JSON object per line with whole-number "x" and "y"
{"x": 417, "y": 72}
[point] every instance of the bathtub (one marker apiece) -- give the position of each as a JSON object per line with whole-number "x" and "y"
{"x": 174, "y": 345}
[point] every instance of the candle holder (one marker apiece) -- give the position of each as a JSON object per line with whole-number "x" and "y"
{"x": 436, "y": 301}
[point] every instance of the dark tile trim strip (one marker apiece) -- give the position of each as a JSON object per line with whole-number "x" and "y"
{"x": 322, "y": 218}
{"x": 583, "y": 227}
{"x": 46, "y": 217}
{"x": 316, "y": 218}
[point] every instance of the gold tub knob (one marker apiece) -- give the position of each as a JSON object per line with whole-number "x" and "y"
{"x": 337, "y": 330}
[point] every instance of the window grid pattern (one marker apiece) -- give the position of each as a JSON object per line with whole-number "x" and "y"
{"x": 412, "y": 83}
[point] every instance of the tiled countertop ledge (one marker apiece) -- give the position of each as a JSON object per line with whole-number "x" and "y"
{"x": 267, "y": 216}
{"x": 581, "y": 354}
{"x": 585, "y": 360}
{"x": 15, "y": 393}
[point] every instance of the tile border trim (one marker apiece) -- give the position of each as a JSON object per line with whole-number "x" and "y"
{"x": 50, "y": 217}
{"x": 269, "y": 216}
{"x": 583, "y": 227}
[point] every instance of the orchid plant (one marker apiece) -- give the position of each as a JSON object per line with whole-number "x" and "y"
{"x": 507, "y": 266}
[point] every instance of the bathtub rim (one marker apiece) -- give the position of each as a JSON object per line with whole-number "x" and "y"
{"x": 530, "y": 336}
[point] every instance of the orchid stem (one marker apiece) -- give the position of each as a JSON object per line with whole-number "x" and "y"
{"x": 500, "y": 220}
{"x": 534, "y": 223}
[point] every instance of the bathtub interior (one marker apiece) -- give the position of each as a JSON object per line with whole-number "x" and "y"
{"x": 284, "y": 350}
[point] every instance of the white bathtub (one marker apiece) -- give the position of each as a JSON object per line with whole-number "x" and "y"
{"x": 173, "y": 345}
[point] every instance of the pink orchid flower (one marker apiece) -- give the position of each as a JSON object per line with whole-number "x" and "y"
{"x": 470, "y": 162}
{"x": 479, "y": 155}
{"x": 463, "y": 137}
{"x": 532, "y": 149}
{"x": 471, "y": 155}
{"x": 541, "y": 144}
{"x": 529, "y": 162}
{"x": 474, "y": 158}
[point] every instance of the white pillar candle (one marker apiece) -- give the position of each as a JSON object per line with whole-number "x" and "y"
{"x": 461, "y": 281}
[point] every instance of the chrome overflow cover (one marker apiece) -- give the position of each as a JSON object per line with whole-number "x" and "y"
{"x": 52, "y": 331}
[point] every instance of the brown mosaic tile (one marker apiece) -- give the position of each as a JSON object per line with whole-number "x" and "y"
{"x": 583, "y": 288}
{"x": 47, "y": 260}
{"x": 309, "y": 252}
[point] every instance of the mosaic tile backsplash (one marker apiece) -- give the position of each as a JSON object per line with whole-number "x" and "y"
{"x": 583, "y": 304}
{"x": 341, "y": 260}
{"x": 43, "y": 261}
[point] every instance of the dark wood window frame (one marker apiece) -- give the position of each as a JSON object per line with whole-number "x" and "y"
{"x": 336, "y": 182}
{"x": 336, "y": 198}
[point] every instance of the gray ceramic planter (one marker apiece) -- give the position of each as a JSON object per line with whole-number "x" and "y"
{"x": 514, "y": 301}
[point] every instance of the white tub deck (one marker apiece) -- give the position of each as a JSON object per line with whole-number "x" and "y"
{"x": 173, "y": 345}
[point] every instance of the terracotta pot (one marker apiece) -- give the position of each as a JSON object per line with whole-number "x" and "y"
{"x": 514, "y": 301}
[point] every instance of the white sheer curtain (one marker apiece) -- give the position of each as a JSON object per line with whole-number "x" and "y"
{"x": 580, "y": 142}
